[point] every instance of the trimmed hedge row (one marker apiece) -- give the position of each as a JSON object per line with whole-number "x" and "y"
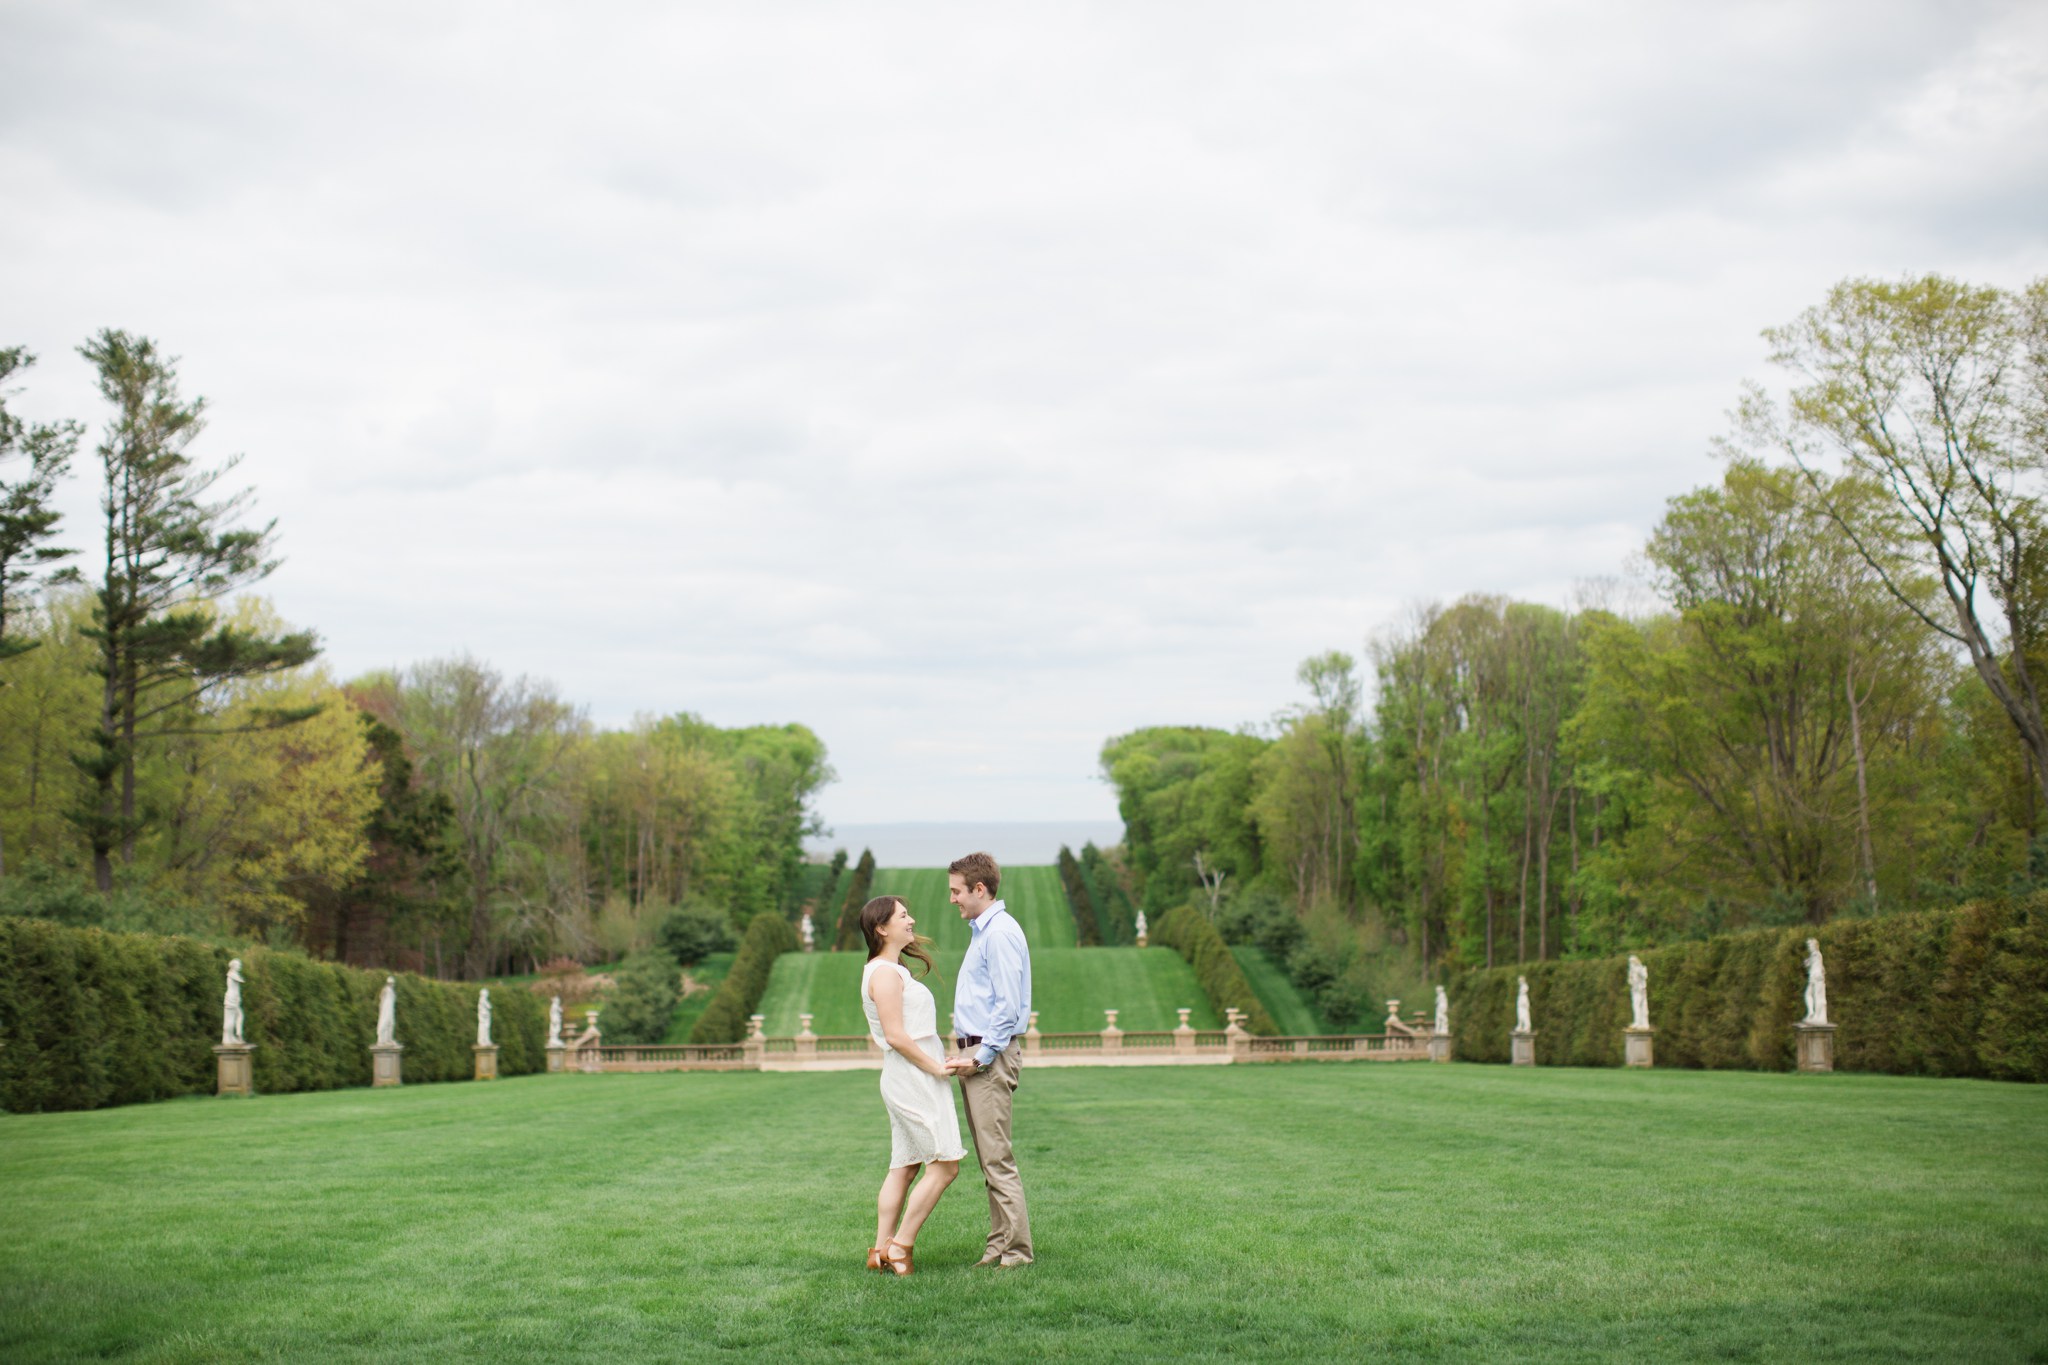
{"x": 1112, "y": 902}
{"x": 725, "y": 1019}
{"x": 1222, "y": 980}
{"x": 90, "y": 1019}
{"x": 1960, "y": 992}
{"x": 1087, "y": 924}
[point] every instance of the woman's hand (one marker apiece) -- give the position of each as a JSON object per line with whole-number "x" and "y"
{"x": 887, "y": 990}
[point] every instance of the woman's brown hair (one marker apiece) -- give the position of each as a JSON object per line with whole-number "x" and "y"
{"x": 879, "y": 912}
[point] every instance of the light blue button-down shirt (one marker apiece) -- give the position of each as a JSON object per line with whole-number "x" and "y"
{"x": 993, "y": 999}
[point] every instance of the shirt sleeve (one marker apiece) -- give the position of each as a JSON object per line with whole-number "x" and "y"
{"x": 1007, "y": 958}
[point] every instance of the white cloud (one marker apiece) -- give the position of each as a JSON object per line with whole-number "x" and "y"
{"x": 974, "y": 385}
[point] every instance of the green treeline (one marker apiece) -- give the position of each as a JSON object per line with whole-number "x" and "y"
{"x": 1960, "y": 992}
{"x": 173, "y": 758}
{"x": 1827, "y": 708}
{"x": 93, "y": 1019}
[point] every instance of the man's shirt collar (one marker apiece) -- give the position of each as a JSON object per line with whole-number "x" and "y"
{"x": 981, "y": 921}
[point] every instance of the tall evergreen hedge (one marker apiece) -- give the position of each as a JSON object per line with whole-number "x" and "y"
{"x": 90, "y": 1019}
{"x": 1960, "y": 992}
{"x": 725, "y": 1019}
{"x": 1087, "y": 923}
{"x": 848, "y": 938}
{"x": 1222, "y": 980}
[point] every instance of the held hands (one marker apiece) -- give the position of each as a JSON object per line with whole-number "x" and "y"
{"x": 961, "y": 1066}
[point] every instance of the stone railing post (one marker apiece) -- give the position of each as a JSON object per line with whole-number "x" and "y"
{"x": 1183, "y": 1035}
{"x": 1112, "y": 1036}
{"x": 1031, "y": 1038}
{"x": 1235, "y": 1038}
{"x": 755, "y": 1042}
{"x": 806, "y": 1041}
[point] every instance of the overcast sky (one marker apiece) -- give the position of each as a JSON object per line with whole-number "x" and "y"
{"x": 972, "y": 383}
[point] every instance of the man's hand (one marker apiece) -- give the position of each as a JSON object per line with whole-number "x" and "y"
{"x": 961, "y": 1066}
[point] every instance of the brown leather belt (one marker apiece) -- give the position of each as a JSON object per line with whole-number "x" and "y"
{"x": 967, "y": 1040}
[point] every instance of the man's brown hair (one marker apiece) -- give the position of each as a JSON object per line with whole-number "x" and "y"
{"x": 978, "y": 867}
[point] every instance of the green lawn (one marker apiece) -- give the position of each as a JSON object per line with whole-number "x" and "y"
{"x": 1290, "y": 1010}
{"x": 1070, "y": 988}
{"x": 1332, "y": 1212}
{"x": 1033, "y": 894}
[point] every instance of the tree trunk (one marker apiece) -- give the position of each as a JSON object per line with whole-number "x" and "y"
{"x": 1862, "y": 787}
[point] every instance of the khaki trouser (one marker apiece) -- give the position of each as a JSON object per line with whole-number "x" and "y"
{"x": 987, "y": 1097}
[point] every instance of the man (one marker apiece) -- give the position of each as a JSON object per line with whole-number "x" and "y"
{"x": 990, "y": 1009}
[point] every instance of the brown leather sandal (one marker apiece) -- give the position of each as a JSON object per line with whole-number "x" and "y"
{"x": 878, "y": 1258}
{"x": 897, "y": 1257}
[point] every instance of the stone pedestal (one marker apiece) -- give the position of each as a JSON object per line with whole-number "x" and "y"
{"x": 1636, "y": 1049}
{"x": 1141, "y": 940}
{"x": 1439, "y": 1047}
{"x": 1112, "y": 1036}
{"x": 556, "y": 1051}
{"x": 384, "y": 1064}
{"x": 806, "y": 1040}
{"x": 754, "y": 1046}
{"x": 234, "y": 1073}
{"x": 1032, "y": 1038}
{"x": 1816, "y": 1046}
{"x": 1523, "y": 1047}
{"x": 1184, "y": 1033}
{"x": 487, "y": 1061}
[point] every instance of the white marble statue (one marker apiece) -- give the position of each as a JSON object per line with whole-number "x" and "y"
{"x": 1522, "y": 1005}
{"x": 810, "y": 936}
{"x": 1443, "y": 1011}
{"x": 483, "y": 1018}
{"x": 1141, "y": 924}
{"x": 555, "y": 1022}
{"x": 1638, "y": 991}
{"x": 1816, "y": 984}
{"x": 387, "y": 1013}
{"x": 231, "y": 1008}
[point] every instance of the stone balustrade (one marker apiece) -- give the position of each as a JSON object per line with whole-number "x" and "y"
{"x": 1109, "y": 1046}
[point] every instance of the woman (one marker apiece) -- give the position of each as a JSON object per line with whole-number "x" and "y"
{"x": 916, "y": 1090}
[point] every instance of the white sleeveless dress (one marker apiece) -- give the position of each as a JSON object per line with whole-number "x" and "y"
{"x": 922, "y": 1124}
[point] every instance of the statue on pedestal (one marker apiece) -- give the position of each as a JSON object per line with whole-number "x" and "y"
{"x": 1816, "y": 985}
{"x": 1443, "y": 1011}
{"x": 1141, "y": 928}
{"x": 555, "y": 1022}
{"x": 387, "y": 1013}
{"x": 1638, "y": 992}
{"x": 231, "y": 1007}
{"x": 483, "y": 1018}
{"x": 1522, "y": 1005}
{"x": 810, "y": 936}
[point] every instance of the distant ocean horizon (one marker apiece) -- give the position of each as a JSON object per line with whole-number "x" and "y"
{"x": 1015, "y": 843}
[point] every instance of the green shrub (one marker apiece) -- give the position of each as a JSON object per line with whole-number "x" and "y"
{"x": 90, "y": 1018}
{"x": 692, "y": 933}
{"x": 639, "y": 1006}
{"x": 1194, "y": 938}
{"x": 1960, "y": 992}
{"x": 725, "y": 1019}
